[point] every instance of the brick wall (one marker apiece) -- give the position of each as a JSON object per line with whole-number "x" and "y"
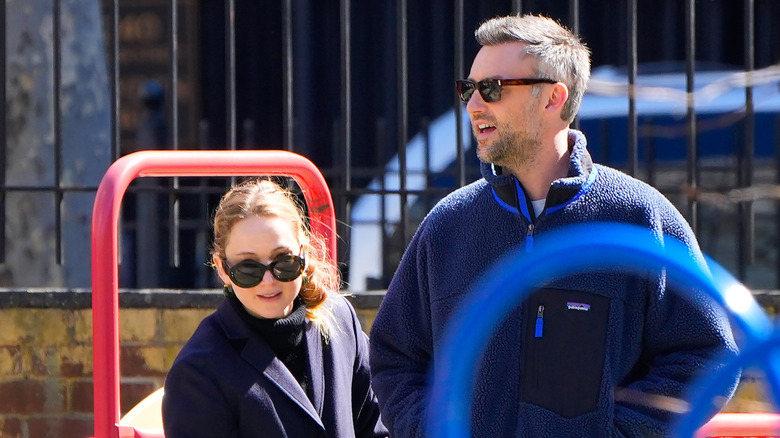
{"x": 46, "y": 365}
{"x": 46, "y": 355}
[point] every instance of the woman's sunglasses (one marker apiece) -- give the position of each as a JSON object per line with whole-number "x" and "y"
{"x": 249, "y": 273}
{"x": 490, "y": 89}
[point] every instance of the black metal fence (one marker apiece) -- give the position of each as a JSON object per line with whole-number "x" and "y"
{"x": 356, "y": 87}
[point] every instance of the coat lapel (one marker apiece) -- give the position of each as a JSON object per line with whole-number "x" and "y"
{"x": 316, "y": 360}
{"x": 259, "y": 354}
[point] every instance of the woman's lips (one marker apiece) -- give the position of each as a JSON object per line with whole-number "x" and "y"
{"x": 269, "y": 296}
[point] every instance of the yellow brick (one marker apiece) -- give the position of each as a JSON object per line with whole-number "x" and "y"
{"x": 137, "y": 325}
{"x": 11, "y": 360}
{"x": 75, "y": 360}
{"x": 179, "y": 324}
{"x": 366, "y": 317}
{"x": 82, "y": 326}
{"x": 39, "y": 326}
{"x": 750, "y": 396}
{"x": 12, "y": 333}
{"x": 41, "y": 360}
{"x": 159, "y": 359}
{"x": 57, "y": 361}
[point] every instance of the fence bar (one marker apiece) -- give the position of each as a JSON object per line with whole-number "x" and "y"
{"x": 116, "y": 143}
{"x": 690, "y": 116}
{"x": 174, "y": 42}
{"x": 345, "y": 23}
{"x": 403, "y": 107}
{"x": 574, "y": 22}
{"x": 460, "y": 69}
{"x": 230, "y": 71}
{"x": 632, "y": 120}
{"x": 174, "y": 217}
{"x": 381, "y": 146}
{"x": 574, "y": 16}
{"x": 777, "y": 203}
{"x": 517, "y": 6}
{"x": 287, "y": 76}
{"x": 57, "y": 125}
{"x": 746, "y": 212}
{"x": 3, "y": 139}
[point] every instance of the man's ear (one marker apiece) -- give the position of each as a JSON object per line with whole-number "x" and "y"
{"x": 221, "y": 272}
{"x": 558, "y": 96}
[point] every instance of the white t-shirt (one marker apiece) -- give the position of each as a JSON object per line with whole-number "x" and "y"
{"x": 538, "y": 206}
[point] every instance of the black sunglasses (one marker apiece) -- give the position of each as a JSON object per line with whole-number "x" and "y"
{"x": 249, "y": 273}
{"x": 490, "y": 89}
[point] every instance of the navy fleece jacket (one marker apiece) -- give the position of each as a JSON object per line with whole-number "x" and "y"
{"x": 599, "y": 372}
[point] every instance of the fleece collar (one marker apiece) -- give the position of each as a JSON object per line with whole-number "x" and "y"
{"x": 510, "y": 194}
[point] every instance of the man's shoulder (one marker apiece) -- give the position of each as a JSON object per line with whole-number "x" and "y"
{"x": 463, "y": 196}
{"x": 460, "y": 206}
{"x": 625, "y": 193}
{"x": 615, "y": 179}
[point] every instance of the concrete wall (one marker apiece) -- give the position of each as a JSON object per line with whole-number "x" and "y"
{"x": 46, "y": 354}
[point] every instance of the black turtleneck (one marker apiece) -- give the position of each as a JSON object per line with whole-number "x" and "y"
{"x": 285, "y": 336}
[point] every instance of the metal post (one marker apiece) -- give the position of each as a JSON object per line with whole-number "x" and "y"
{"x": 574, "y": 19}
{"x": 230, "y": 71}
{"x": 287, "y": 85}
{"x": 174, "y": 203}
{"x": 690, "y": 117}
{"x": 745, "y": 208}
{"x": 632, "y": 121}
{"x": 3, "y": 139}
{"x": 346, "y": 117}
{"x": 57, "y": 128}
{"x": 459, "y": 71}
{"x": 403, "y": 108}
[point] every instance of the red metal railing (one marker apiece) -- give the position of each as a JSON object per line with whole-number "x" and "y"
{"x": 105, "y": 217}
{"x": 734, "y": 425}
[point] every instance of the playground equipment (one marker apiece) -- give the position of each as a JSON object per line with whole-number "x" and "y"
{"x": 450, "y": 393}
{"x": 105, "y": 271}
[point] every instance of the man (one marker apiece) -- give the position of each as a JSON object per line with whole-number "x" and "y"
{"x": 642, "y": 346}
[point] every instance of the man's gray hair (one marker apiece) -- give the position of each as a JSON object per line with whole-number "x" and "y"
{"x": 560, "y": 54}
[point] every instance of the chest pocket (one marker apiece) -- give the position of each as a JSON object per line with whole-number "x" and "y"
{"x": 564, "y": 340}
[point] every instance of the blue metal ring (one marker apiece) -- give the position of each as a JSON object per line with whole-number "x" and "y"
{"x": 564, "y": 251}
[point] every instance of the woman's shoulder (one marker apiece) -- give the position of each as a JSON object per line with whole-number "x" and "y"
{"x": 341, "y": 315}
{"x": 340, "y": 306}
{"x": 207, "y": 341}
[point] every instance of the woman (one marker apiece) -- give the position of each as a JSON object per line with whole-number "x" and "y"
{"x": 283, "y": 355}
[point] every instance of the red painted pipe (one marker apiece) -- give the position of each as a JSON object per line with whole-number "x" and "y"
{"x": 736, "y": 425}
{"x": 105, "y": 217}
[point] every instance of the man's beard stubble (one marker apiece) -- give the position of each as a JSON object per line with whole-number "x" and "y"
{"x": 513, "y": 149}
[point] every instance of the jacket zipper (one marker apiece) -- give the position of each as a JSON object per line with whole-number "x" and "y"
{"x": 529, "y": 238}
{"x": 539, "y": 322}
{"x": 538, "y": 334}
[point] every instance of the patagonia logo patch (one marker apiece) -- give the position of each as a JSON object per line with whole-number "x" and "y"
{"x": 578, "y": 306}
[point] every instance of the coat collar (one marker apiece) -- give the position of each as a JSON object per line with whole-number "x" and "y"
{"x": 562, "y": 191}
{"x": 258, "y": 354}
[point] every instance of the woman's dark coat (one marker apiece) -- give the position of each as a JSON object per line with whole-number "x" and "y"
{"x": 226, "y": 382}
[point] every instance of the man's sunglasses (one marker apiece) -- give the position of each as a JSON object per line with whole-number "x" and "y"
{"x": 490, "y": 89}
{"x": 249, "y": 273}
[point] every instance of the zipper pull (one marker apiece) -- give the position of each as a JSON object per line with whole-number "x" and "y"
{"x": 529, "y": 238}
{"x": 539, "y": 322}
